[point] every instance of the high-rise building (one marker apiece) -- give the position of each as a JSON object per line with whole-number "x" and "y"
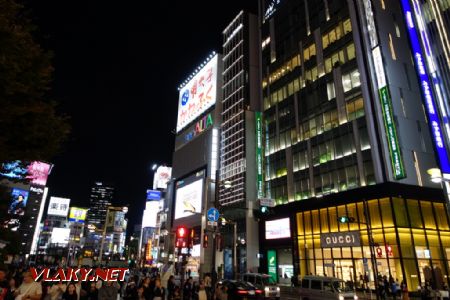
{"x": 241, "y": 114}
{"x": 24, "y": 183}
{"x": 348, "y": 111}
{"x": 195, "y": 161}
{"x": 100, "y": 198}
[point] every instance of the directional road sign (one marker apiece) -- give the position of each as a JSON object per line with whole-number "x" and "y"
{"x": 213, "y": 214}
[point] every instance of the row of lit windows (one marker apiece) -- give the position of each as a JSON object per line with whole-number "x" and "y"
{"x": 325, "y": 183}
{"x": 310, "y": 75}
{"x": 322, "y": 153}
{"x": 315, "y": 126}
{"x": 310, "y": 51}
{"x": 283, "y": 70}
{"x": 336, "y": 33}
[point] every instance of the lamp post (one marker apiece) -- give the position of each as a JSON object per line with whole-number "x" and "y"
{"x": 437, "y": 177}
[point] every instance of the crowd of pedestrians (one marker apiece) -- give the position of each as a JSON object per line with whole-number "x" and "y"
{"x": 18, "y": 284}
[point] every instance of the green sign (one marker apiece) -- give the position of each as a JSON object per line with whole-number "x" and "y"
{"x": 391, "y": 133}
{"x": 259, "y": 158}
{"x": 272, "y": 264}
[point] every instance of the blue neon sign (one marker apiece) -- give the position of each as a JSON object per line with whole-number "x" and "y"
{"x": 153, "y": 195}
{"x": 426, "y": 89}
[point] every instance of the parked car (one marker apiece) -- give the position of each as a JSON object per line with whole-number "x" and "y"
{"x": 240, "y": 290}
{"x": 263, "y": 282}
{"x": 320, "y": 287}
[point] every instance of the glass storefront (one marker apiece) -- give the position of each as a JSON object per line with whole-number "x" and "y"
{"x": 411, "y": 242}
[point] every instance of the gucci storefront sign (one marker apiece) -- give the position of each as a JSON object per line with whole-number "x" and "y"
{"x": 340, "y": 239}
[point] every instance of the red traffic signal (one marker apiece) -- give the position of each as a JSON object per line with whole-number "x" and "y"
{"x": 181, "y": 232}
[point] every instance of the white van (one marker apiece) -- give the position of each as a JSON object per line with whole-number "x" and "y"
{"x": 263, "y": 282}
{"x": 319, "y": 287}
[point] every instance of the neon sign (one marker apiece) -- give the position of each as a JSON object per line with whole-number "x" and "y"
{"x": 203, "y": 124}
{"x": 427, "y": 93}
{"x": 259, "y": 158}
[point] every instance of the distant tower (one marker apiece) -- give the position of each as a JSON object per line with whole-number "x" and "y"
{"x": 100, "y": 199}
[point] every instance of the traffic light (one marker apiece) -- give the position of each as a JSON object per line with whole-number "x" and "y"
{"x": 205, "y": 239}
{"x": 182, "y": 237}
{"x": 345, "y": 219}
{"x": 389, "y": 250}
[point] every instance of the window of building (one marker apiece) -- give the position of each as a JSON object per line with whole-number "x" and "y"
{"x": 355, "y": 108}
{"x": 347, "y": 26}
{"x": 351, "y": 51}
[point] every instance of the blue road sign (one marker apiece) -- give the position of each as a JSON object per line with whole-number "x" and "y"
{"x": 212, "y": 214}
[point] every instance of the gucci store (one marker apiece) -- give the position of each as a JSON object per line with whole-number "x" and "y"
{"x": 408, "y": 226}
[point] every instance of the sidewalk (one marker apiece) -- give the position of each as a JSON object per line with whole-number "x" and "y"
{"x": 291, "y": 293}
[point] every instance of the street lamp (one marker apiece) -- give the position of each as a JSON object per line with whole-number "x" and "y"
{"x": 436, "y": 175}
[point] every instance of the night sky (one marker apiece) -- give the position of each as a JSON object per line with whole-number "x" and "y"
{"x": 117, "y": 69}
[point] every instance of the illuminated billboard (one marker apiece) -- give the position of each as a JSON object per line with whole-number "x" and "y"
{"x": 153, "y": 195}
{"x": 150, "y": 214}
{"x": 198, "y": 94}
{"x": 161, "y": 177}
{"x": 189, "y": 194}
{"x": 58, "y": 207}
{"x": 77, "y": 214}
{"x": 18, "y": 203}
{"x": 278, "y": 229}
{"x": 60, "y": 235}
{"x": 38, "y": 173}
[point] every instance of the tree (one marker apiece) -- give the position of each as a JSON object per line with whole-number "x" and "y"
{"x": 30, "y": 128}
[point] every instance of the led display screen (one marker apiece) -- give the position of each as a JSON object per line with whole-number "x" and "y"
{"x": 77, "y": 214}
{"x": 19, "y": 200}
{"x": 58, "y": 207}
{"x": 278, "y": 229}
{"x": 150, "y": 213}
{"x": 35, "y": 172}
{"x": 198, "y": 94}
{"x": 189, "y": 194}
{"x": 162, "y": 176}
{"x": 60, "y": 235}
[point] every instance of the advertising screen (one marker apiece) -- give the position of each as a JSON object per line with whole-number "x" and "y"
{"x": 198, "y": 94}
{"x": 278, "y": 229}
{"x": 189, "y": 194}
{"x": 120, "y": 224}
{"x": 58, "y": 207}
{"x": 38, "y": 172}
{"x": 14, "y": 169}
{"x": 19, "y": 200}
{"x": 77, "y": 214}
{"x": 60, "y": 235}
{"x": 162, "y": 176}
{"x": 150, "y": 212}
{"x": 153, "y": 195}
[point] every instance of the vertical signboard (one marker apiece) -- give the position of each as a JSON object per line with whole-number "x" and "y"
{"x": 398, "y": 169}
{"x": 259, "y": 158}
{"x": 426, "y": 87}
{"x": 272, "y": 264}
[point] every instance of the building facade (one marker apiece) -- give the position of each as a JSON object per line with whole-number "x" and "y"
{"x": 100, "y": 199}
{"x": 345, "y": 110}
{"x": 195, "y": 162}
{"x": 241, "y": 110}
